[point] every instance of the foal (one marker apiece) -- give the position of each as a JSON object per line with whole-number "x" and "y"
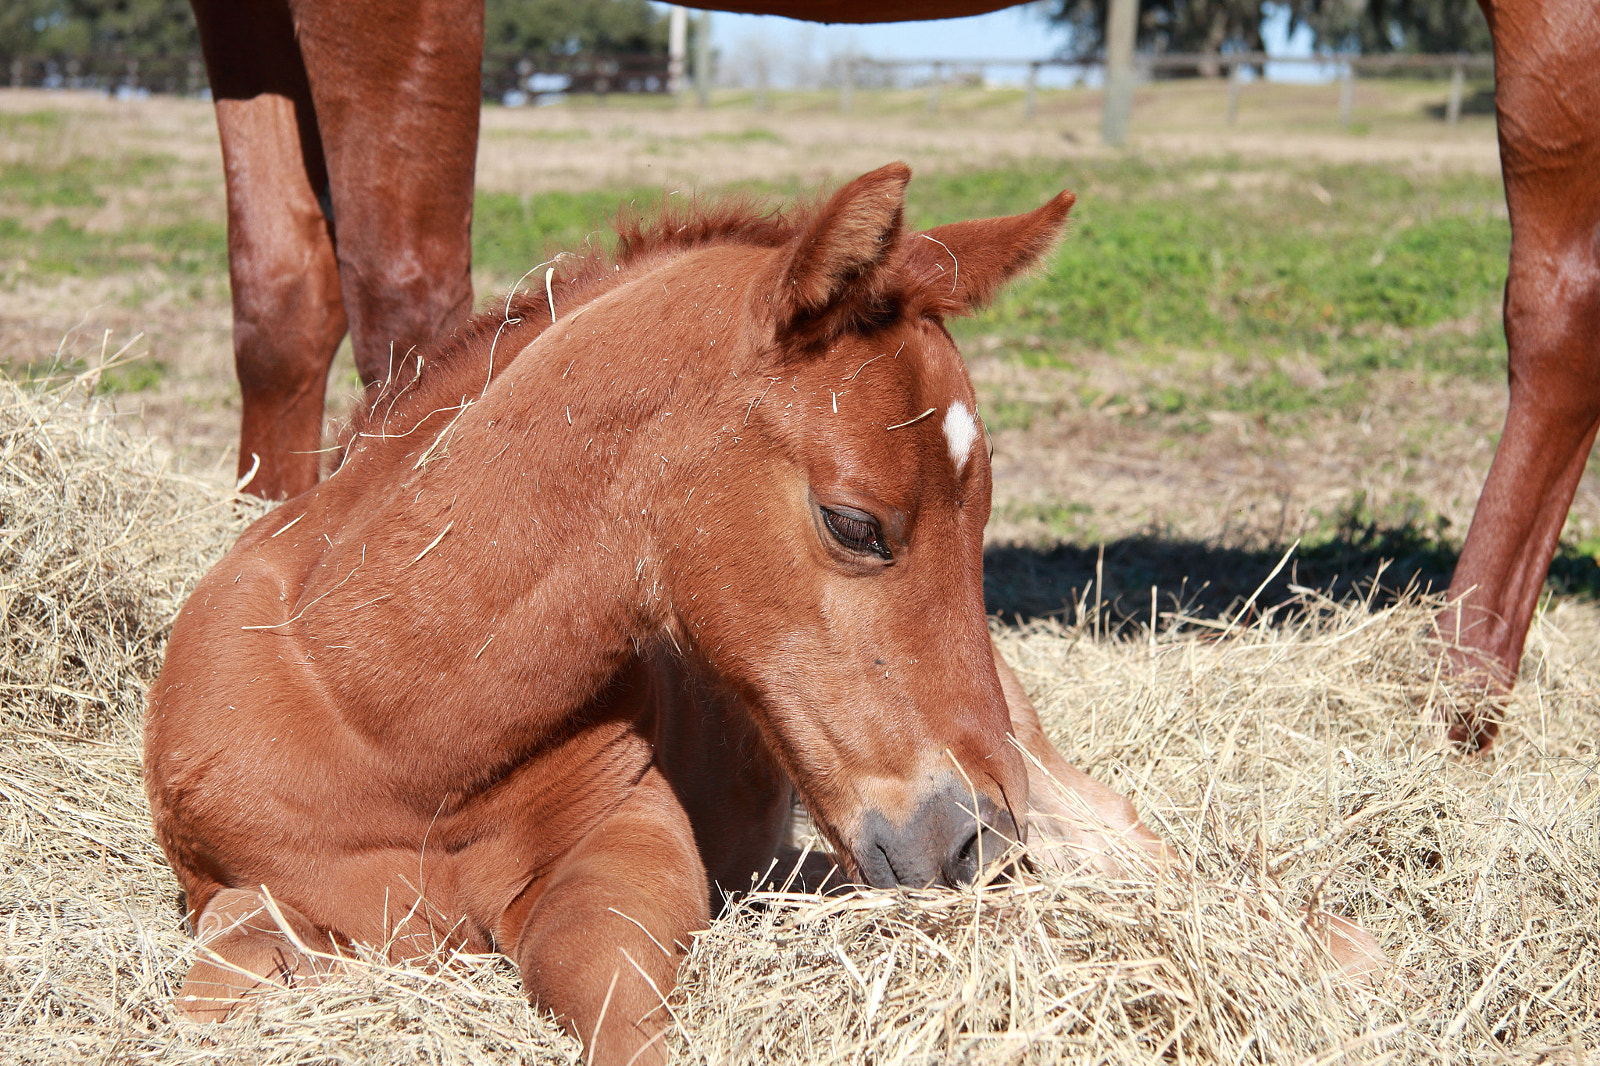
{"x": 595, "y": 591}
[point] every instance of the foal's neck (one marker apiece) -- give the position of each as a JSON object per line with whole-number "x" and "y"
{"x": 530, "y": 519}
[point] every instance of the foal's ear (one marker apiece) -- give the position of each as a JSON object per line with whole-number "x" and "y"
{"x": 840, "y": 263}
{"x": 960, "y": 267}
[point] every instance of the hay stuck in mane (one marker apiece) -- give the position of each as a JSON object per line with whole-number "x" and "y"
{"x": 1284, "y": 761}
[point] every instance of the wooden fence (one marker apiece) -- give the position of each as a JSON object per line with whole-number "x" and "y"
{"x": 184, "y": 74}
{"x": 857, "y": 73}
{"x": 517, "y": 78}
{"x": 504, "y": 74}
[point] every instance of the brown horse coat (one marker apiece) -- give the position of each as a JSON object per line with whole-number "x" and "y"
{"x": 588, "y": 602}
{"x": 1547, "y": 99}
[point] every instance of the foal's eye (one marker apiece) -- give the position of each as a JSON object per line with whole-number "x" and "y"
{"x": 856, "y": 531}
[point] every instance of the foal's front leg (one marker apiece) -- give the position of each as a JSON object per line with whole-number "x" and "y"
{"x": 1073, "y": 820}
{"x": 600, "y": 940}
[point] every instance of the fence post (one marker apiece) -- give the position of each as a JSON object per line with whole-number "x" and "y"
{"x": 702, "y": 60}
{"x": 762, "y": 78}
{"x": 847, "y": 83}
{"x": 1235, "y": 80}
{"x": 1030, "y": 103}
{"x": 1121, "y": 29}
{"x": 1347, "y": 92}
{"x": 1452, "y": 110}
{"x": 933, "y": 88}
{"x": 16, "y": 73}
{"x": 677, "y": 47}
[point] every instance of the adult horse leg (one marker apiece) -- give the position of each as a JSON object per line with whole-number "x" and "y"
{"x": 1546, "y": 96}
{"x": 599, "y": 939}
{"x": 397, "y": 90}
{"x": 1073, "y": 820}
{"x": 287, "y": 314}
{"x": 245, "y": 946}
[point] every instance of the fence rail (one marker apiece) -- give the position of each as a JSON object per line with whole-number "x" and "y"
{"x": 860, "y": 72}
{"x": 181, "y": 74}
{"x": 516, "y": 78}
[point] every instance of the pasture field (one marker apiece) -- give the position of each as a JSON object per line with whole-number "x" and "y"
{"x": 1275, "y": 342}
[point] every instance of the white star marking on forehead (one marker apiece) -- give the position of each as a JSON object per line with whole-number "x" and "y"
{"x": 961, "y": 430}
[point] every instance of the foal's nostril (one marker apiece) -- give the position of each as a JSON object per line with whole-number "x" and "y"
{"x": 981, "y": 850}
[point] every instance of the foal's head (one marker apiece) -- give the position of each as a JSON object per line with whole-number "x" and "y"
{"x": 834, "y": 575}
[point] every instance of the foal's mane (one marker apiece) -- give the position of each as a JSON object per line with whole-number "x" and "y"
{"x": 440, "y": 377}
{"x": 438, "y": 380}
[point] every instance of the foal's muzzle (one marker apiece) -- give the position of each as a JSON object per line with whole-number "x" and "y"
{"x": 948, "y": 840}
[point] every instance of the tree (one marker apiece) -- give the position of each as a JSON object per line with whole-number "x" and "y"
{"x": 149, "y": 28}
{"x": 1376, "y": 26}
{"x": 1366, "y": 26}
{"x": 567, "y": 27}
{"x": 132, "y": 28}
{"x": 1166, "y": 25}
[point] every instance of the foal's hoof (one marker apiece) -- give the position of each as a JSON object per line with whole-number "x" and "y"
{"x": 244, "y": 948}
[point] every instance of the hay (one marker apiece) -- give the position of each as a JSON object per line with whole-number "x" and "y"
{"x": 99, "y": 544}
{"x": 1289, "y": 761}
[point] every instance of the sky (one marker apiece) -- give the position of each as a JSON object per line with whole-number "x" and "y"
{"x": 1012, "y": 33}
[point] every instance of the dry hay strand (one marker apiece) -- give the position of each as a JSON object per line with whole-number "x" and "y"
{"x": 1292, "y": 762}
{"x": 99, "y": 544}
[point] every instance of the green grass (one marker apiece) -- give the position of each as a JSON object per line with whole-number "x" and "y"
{"x": 1155, "y": 262}
{"x": 61, "y": 247}
{"x": 47, "y": 226}
{"x": 1382, "y": 271}
{"x": 1206, "y": 272}
{"x": 1351, "y": 269}
{"x": 512, "y": 233}
{"x": 78, "y": 182}
{"x": 1393, "y": 272}
{"x": 32, "y": 121}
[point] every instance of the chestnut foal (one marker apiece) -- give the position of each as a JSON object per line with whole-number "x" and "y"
{"x": 596, "y": 590}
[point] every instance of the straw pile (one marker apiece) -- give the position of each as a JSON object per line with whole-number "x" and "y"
{"x": 1288, "y": 762}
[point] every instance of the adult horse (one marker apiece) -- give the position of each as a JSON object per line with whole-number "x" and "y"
{"x": 597, "y": 588}
{"x": 1547, "y": 102}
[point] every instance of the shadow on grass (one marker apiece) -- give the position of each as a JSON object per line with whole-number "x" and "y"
{"x": 1208, "y": 582}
